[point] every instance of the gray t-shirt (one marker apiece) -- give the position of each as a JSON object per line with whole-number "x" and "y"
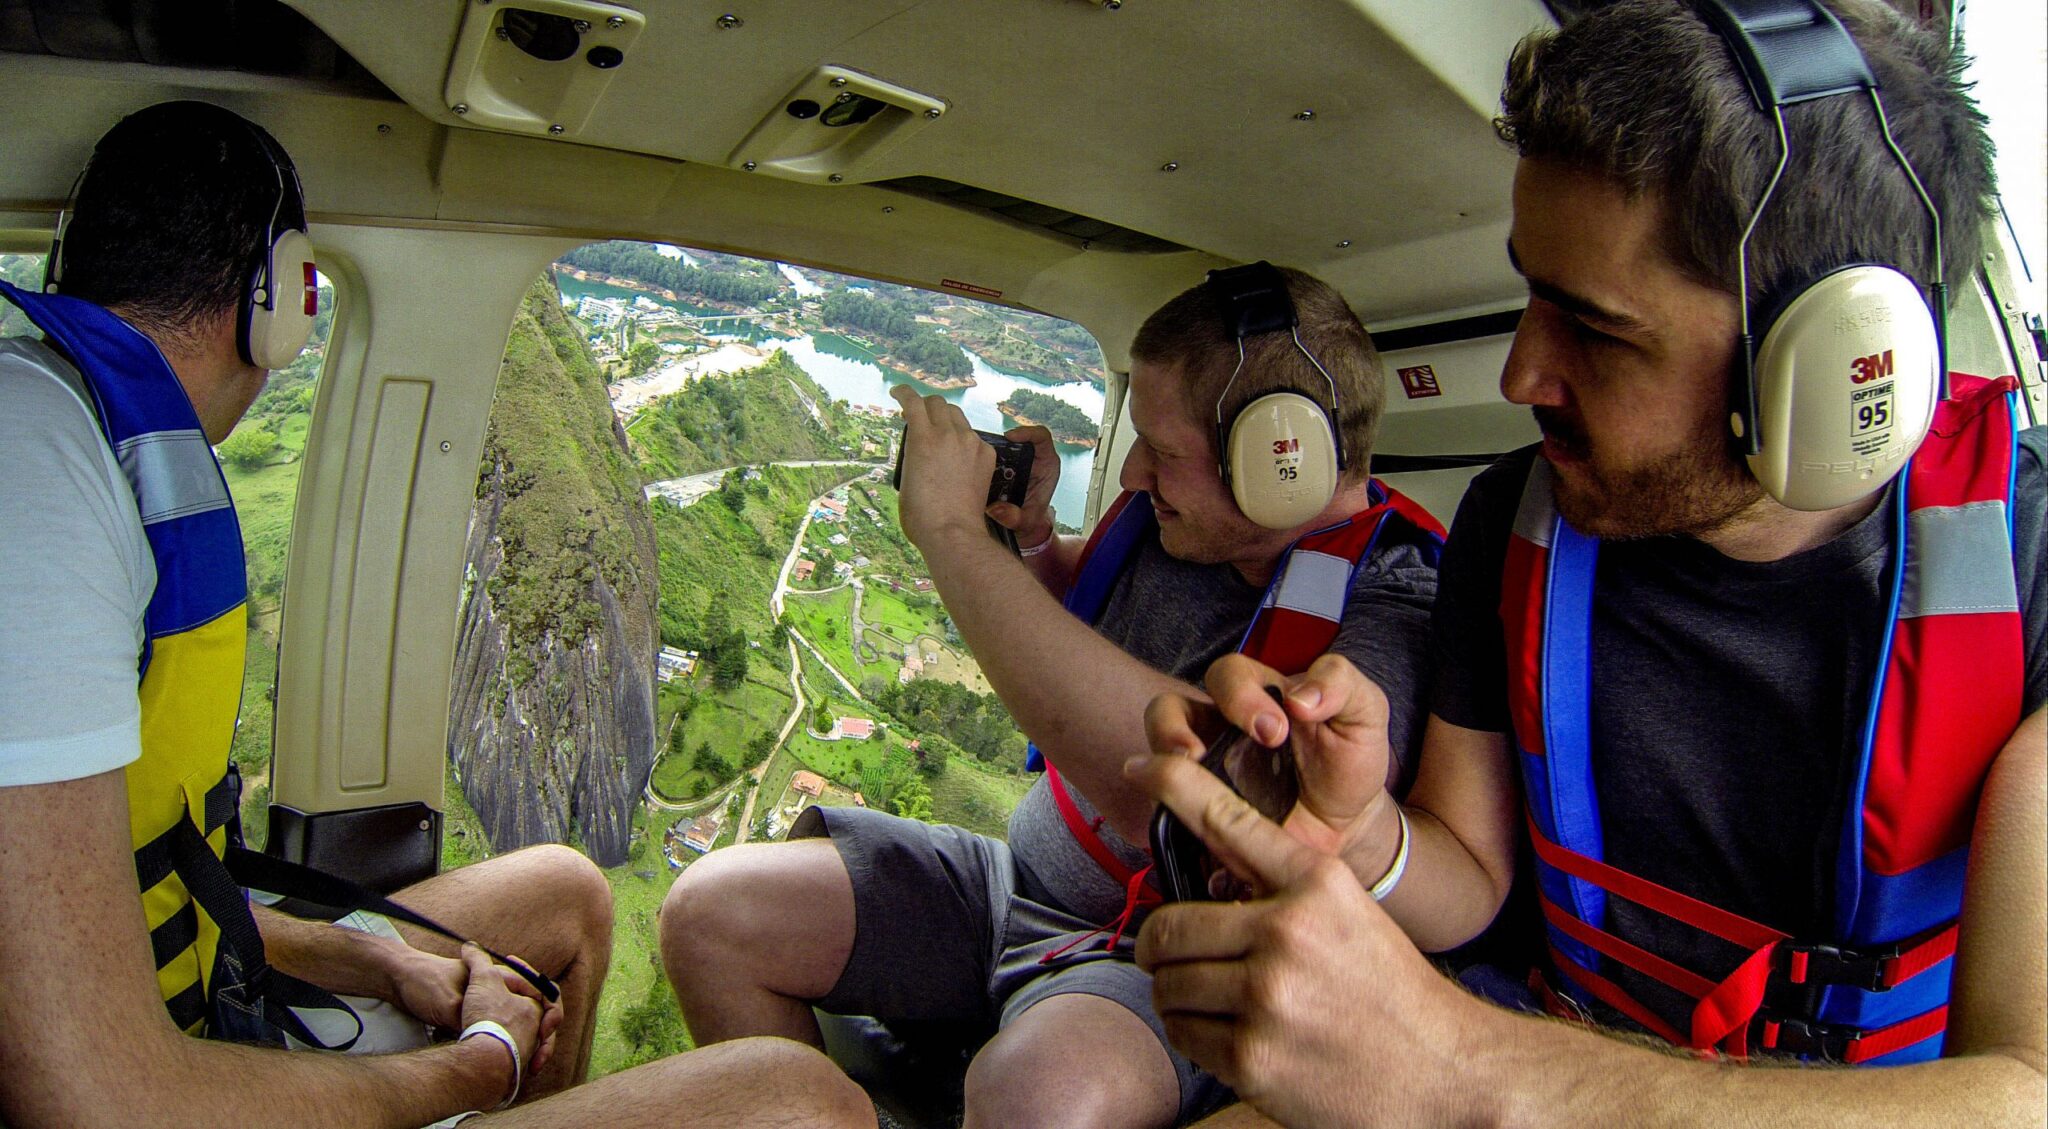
{"x": 1728, "y": 698}
{"x": 77, "y": 575}
{"x": 1177, "y": 618}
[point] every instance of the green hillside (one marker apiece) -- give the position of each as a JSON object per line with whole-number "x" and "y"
{"x": 759, "y": 415}
{"x": 569, "y": 497}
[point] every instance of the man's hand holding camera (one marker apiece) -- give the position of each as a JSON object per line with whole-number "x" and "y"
{"x": 1310, "y": 1002}
{"x": 947, "y": 474}
{"x": 1336, "y": 719}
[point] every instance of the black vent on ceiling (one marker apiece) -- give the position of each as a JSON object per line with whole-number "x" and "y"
{"x": 1098, "y": 233}
{"x": 255, "y": 36}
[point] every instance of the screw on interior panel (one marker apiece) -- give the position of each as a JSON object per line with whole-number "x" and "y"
{"x": 446, "y": 446}
{"x": 847, "y": 96}
{"x": 840, "y": 81}
{"x": 460, "y": 107}
{"x": 835, "y": 178}
{"x": 1343, "y": 243}
{"x": 749, "y": 166}
{"x": 933, "y": 113}
{"x": 888, "y": 209}
{"x": 615, "y": 22}
{"x": 728, "y": 21}
{"x": 1305, "y": 116}
{"x": 426, "y": 826}
{"x": 504, "y": 32}
{"x": 555, "y": 129}
{"x": 383, "y": 128}
{"x": 1112, "y": 5}
{"x": 581, "y": 25}
{"x": 1170, "y": 166}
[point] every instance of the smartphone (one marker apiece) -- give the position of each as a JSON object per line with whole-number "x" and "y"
{"x": 1265, "y": 777}
{"x": 1009, "y": 482}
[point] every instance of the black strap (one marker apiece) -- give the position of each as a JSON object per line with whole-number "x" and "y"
{"x": 1790, "y": 51}
{"x": 1254, "y": 299}
{"x": 274, "y": 875}
{"x": 207, "y": 880}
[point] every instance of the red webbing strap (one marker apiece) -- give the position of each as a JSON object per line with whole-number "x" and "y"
{"x": 1084, "y": 831}
{"x": 1610, "y": 993}
{"x": 1897, "y": 1037}
{"x": 1731, "y": 927}
{"x": 1920, "y": 957}
{"x": 1641, "y": 959}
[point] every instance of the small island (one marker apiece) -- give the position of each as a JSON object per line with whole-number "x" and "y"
{"x": 1068, "y": 424}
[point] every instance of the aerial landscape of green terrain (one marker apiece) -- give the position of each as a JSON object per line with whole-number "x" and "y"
{"x": 815, "y": 644}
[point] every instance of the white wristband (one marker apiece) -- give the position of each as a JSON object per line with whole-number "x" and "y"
{"x": 497, "y": 1031}
{"x": 1392, "y": 877}
{"x": 1041, "y": 547}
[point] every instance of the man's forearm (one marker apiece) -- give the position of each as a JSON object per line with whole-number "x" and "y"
{"x": 1540, "y": 1072}
{"x": 1076, "y": 694}
{"x": 1056, "y": 566}
{"x": 346, "y": 961}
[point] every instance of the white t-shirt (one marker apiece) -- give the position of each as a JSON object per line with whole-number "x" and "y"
{"x": 76, "y": 576}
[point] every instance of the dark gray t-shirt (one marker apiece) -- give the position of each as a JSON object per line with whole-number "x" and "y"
{"x": 1177, "y": 618}
{"x": 1728, "y": 698}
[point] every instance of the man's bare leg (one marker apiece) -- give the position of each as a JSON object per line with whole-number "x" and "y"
{"x": 1073, "y": 1060}
{"x": 549, "y": 906}
{"x": 751, "y": 932}
{"x": 752, "y": 1082}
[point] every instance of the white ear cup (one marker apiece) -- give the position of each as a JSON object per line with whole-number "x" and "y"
{"x": 1846, "y": 382}
{"x": 1282, "y": 460}
{"x": 280, "y": 323}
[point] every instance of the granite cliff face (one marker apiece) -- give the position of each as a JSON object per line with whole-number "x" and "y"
{"x": 551, "y": 722}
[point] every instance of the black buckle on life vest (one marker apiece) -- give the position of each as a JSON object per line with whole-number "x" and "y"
{"x": 1827, "y": 966}
{"x": 1806, "y": 1038}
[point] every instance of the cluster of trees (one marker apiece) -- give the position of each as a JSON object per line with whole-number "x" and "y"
{"x": 977, "y": 723}
{"x": 1064, "y": 420}
{"x": 896, "y": 783}
{"x": 641, "y": 263}
{"x": 907, "y": 339}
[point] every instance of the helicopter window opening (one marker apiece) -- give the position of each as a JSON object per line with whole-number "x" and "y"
{"x": 686, "y": 595}
{"x": 261, "y": 460}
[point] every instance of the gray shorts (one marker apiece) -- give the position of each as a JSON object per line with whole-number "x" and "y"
{"x": 942, "y": 933}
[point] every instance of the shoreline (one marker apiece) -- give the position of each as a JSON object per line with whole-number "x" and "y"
{"x": 1022, "y": 420}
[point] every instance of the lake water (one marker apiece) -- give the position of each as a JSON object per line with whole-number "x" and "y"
{"x": 847, "y": 371}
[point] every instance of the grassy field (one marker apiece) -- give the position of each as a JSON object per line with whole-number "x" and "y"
{"x": 881, "y": 606}
{"x": 977, "y": 798}
{"x": 727, "y": 721}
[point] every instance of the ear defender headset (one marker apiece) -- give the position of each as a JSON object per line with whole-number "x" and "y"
{"x": 1279, "y": 453}
{"x": 1842, "y": 389}
{"x": 275, "y": 317}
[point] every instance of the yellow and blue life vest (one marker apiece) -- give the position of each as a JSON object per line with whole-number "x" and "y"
{"x": 183, "y": 794}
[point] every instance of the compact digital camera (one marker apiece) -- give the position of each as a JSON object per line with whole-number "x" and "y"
{"x": 1011, "y": 479}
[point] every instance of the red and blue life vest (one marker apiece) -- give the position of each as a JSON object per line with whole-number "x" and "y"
{"x": 1947, "y": 697}
{"x": 1296, "y": 622}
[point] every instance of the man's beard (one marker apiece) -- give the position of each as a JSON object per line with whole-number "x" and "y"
{"x": 1695, "y": 489}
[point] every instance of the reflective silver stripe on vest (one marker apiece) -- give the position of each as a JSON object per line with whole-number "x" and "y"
{"x": 1538, "y": 511}
{"x": 1315, "y": 583}
{"x": 173, "y": 474}
{"x": 1958, "y": 561}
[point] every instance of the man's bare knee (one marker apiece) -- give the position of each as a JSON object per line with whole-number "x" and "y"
{"x": 1106, "y": 1079}
{"x": 742, "y": 897}
{"x": 569, "y": 887}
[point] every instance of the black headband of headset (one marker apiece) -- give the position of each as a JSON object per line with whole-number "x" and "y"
{"x": 1253, "y": 299}
{"x": 1790, "y": 51}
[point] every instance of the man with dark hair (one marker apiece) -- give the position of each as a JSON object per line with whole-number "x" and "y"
{"x": 184, "y": 274}
{"x": 864, "y": 913}
{"x": 1746, "y": 752}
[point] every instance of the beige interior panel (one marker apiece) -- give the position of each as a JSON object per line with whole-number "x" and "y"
{"x": 375, "y": 570}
